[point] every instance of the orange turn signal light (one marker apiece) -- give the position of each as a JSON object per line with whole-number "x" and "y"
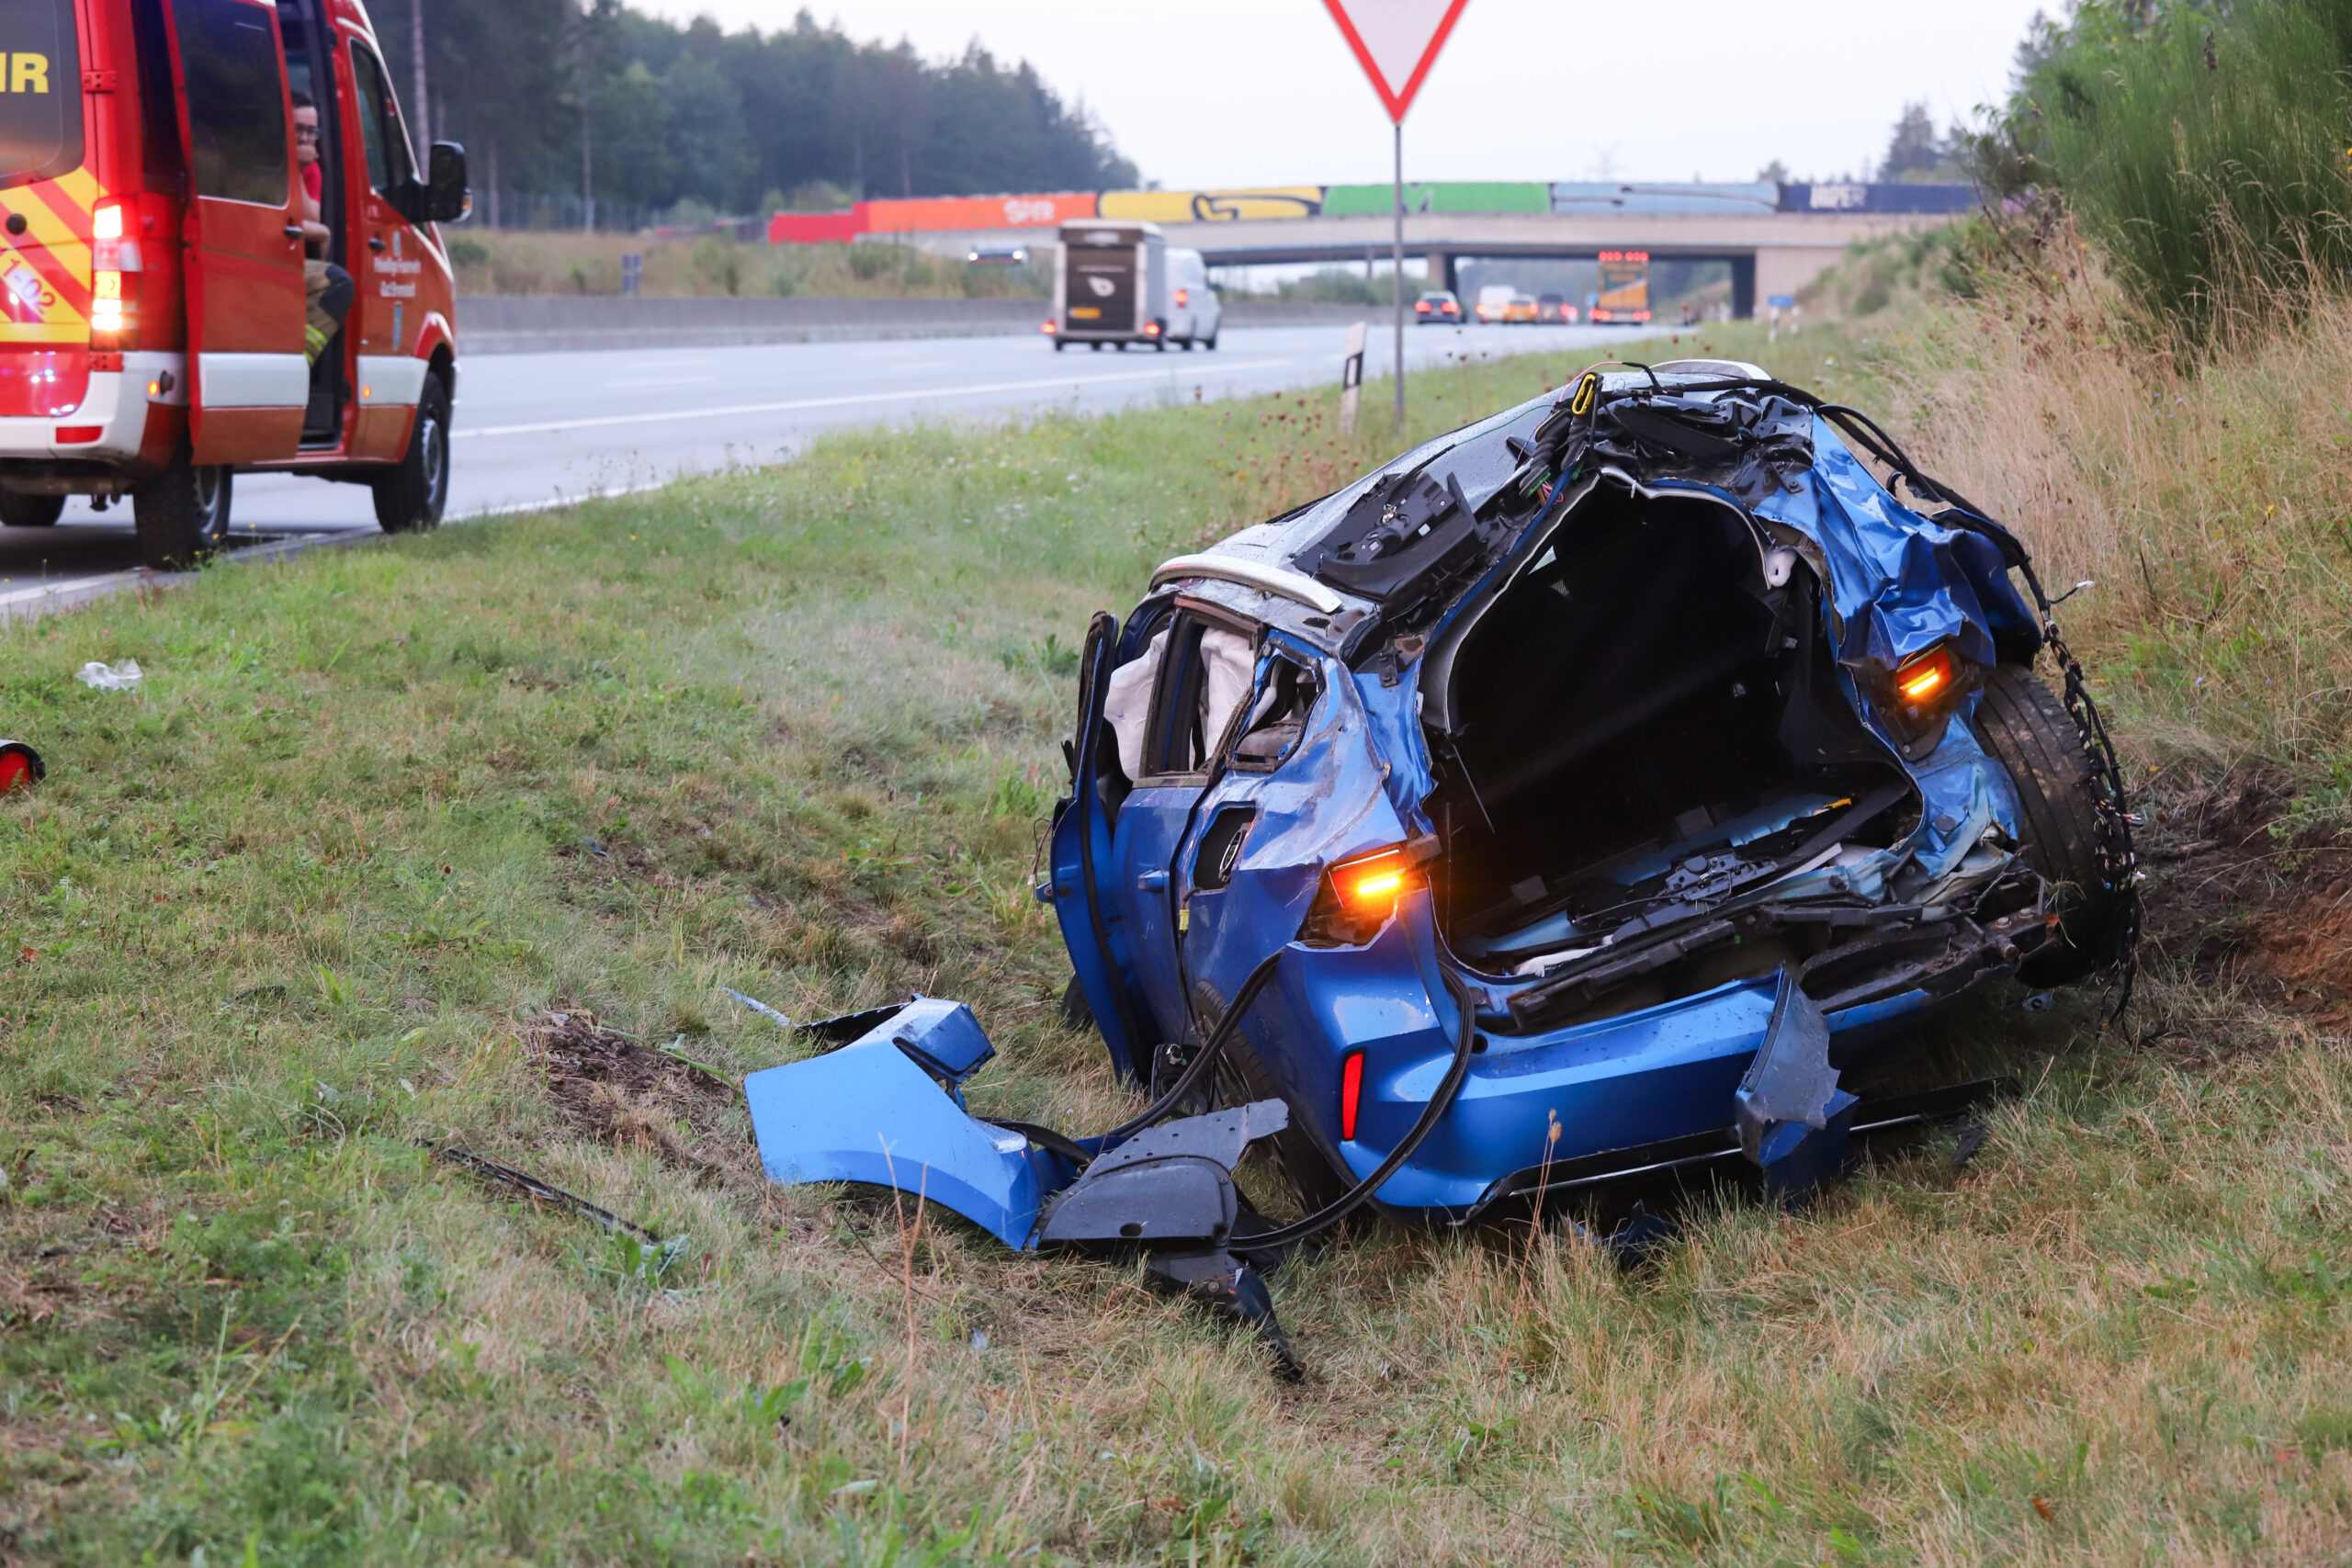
{"x": 1923, "y": 677}
{"x": 1370, "y": 885}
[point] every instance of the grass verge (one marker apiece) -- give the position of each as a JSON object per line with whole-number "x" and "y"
{"x": 455, "y": 839}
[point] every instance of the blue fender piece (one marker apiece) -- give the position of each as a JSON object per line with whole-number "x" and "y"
{"x": 884, "y": 1109}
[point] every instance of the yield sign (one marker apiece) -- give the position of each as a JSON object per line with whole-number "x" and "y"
{"x": 1397, "y": 41}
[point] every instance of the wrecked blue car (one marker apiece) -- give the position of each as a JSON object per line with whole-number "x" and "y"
{"x": 1579, "y": 794}
{"x": 1569, "y": 806}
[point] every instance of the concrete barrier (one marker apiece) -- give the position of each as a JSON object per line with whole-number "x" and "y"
{"x": 562, "y": 324}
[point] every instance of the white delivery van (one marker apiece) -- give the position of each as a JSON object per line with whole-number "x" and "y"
{"x": 1112, "y": 285}
{"x": 1194, "y": 310}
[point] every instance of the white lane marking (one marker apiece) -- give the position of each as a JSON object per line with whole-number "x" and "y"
{"x": 1167, "y": 373}
{"x": 665, "y": 381}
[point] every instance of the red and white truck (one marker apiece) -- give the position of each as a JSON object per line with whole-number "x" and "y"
{"x": 152, "y": 265}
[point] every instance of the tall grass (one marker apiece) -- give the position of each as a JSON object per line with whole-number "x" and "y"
{"x": 2205, "y": 156}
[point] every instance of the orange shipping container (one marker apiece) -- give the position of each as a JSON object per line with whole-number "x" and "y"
{"x": 934, "y": 213}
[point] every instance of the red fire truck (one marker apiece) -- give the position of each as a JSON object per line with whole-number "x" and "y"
{"x": 152, "y": 265}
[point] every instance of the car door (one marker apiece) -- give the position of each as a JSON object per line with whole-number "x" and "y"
{"x": 1078, "y": 880}
{"x": 1204, "y": 673}
{"x": 385, "y": 318}
{"x": 242, "y": 244}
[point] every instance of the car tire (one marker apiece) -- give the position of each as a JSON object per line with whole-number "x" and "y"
{"x": 181, "y": 516}
{"x": 2027, "y": 729}
{"x": 409, "y": 499}
{"x": 1309, "y": 1169}
{"x": 1059, "y": 345}
{"x": 1210, "y": 343}
{"x": 19, "y": 510}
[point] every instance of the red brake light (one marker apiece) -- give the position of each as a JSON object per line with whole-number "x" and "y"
{"x": 1049, "y": 328}
{"x": 79, "y": 435}
{"x": 1183, "y": 295}
{"x": 1350, "y": 1094}
{"x": 1924, "y": 677}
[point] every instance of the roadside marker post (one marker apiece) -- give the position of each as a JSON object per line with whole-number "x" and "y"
{"x": 1352, "y": 379}
{"x": 1397, "y": 41}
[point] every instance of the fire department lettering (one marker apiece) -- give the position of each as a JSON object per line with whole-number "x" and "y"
{"x": 27, "y": 73}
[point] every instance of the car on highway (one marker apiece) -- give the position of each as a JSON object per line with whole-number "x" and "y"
{"x": 1195, "y": 311}
{"x": 152, "y": 333}
{"x": 1581, "y": 795}
{"x": 1499, "y": 302}
{"x": 1555, "y": 309}
{"x": 1437, "y": 308}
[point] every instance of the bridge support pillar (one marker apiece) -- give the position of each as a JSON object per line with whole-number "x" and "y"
{"x": 1441, "y": 265}
{"x": 1742, "y": 286}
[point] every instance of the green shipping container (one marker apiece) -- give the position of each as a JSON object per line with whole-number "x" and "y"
{"x": 1441, "y": 195}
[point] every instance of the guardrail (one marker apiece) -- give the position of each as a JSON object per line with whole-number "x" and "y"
{"x": 562, "y": 324}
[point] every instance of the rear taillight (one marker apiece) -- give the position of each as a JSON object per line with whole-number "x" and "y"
{"x": 115, "y": 264}
{"x": 1358, "y": 896}
{"x": 1151, "y": 329}
{"x": 1350, "y": 1094}
{"x": 1049, "y": 329}
{"x": 1183, "y": 297}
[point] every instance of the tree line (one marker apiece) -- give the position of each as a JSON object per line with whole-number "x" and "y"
{"x": 588, "y": 99}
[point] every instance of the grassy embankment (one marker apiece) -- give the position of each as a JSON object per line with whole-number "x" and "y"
{"x": 305, "y": 900}
{"x": 513, "y": 260}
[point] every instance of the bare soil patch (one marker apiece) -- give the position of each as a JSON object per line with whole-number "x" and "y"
{"x": 2235, "y": 901}
{"x": 615, "y": 1089}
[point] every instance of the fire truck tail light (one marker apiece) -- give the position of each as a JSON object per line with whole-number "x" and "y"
{"x": 106, "y": 224}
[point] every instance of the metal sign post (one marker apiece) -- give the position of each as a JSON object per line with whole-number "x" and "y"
{"x": 1397, "y": 41}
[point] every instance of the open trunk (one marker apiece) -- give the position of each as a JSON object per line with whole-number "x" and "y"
{"x": 1641, "y": 722}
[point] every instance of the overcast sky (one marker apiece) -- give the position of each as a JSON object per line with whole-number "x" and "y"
{"x": 1265, "y": 92}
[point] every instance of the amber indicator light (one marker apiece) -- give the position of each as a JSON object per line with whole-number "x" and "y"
{"x": 1923, "y": 677}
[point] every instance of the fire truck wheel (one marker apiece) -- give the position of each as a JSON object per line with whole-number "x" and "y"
{"x": 410, "y": 498}
{"x": 183, "y": 515}
{"x": 18, "y": 510}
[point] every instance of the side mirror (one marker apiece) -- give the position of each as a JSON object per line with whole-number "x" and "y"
{"x": 447, "y": 198}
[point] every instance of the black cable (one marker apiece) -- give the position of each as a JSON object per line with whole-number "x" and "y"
{"x": 1198, "y": 1068}
{"x": 1439, "y": 1103}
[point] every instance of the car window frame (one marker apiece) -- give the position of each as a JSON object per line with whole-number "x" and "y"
{"x": 1178, "y": 662}
{"x": 382, "y": 116}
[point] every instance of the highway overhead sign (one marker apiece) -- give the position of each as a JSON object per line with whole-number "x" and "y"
{"x": 1396, "y": 41}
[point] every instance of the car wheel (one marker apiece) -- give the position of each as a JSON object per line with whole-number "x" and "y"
{"x": 1305, "y": 1165}
{"x": 181, "y": 516}
{"x": 409, "y": 499}
{"x": 1059, "y": 345}
{"x": 18, "y": 510}
{"x": 1211, "y": 344}
{"x": 2027, "y": 730}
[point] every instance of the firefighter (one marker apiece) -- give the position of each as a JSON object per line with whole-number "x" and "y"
{"x": 327, "y": 289}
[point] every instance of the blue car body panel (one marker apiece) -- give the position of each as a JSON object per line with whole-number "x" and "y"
{"x": 884, "y": 1110}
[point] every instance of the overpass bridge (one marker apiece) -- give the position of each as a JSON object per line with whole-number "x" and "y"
{"x": 1769, "y": 252}
{"x": 1775, "y": 238}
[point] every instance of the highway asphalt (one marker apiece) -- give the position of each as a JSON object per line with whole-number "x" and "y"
{"x": 540, "y": 429}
